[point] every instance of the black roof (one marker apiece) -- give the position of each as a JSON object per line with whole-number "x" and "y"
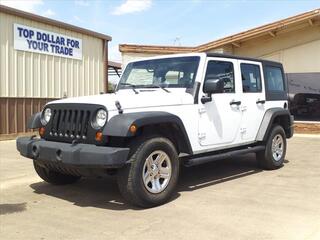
{"x": 242, "y": 58}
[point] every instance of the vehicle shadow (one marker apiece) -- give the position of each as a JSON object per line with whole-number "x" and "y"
{"x": 88, "y": 192}
{"x": 218, "y": 172}
{"x": 104, "y": 193}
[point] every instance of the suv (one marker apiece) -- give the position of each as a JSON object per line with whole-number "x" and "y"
{"x": 180, "y": 109}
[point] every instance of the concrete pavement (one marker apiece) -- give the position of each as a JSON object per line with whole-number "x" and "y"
{"x": 230, "y": 199}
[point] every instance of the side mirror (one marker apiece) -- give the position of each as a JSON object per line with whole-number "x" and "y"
{"x": 213, "y": 86}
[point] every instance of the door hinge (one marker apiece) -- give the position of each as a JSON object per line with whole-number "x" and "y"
{"x": 243, "y": 130}
{"x": 243, "y": 108}
{"x": 201, "y": 136}
{"x": 202, "y": 110}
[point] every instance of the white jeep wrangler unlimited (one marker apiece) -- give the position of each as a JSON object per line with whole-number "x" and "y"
{"x": 180, "y": 109}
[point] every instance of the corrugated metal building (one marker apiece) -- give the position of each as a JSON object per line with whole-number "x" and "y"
{"x": 43, "y": 59}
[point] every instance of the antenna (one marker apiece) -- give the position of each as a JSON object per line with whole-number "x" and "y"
{"x": 176, "y": 41}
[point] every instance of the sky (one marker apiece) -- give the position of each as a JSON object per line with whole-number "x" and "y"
{"x": 156, "y": 22}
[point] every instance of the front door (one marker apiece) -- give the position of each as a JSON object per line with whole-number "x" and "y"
{"x": 220, "y": 119}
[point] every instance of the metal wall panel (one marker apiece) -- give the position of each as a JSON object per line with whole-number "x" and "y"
{"x": 298, "y": 50}
{"x": 25, "y": 74}
{"x": 15, "y": 113}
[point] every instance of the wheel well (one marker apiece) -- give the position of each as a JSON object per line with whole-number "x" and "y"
{"x": 172, "y": 131}
{"x": 283, "y": 121}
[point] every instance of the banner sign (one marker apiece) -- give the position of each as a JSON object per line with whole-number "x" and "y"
{"x": 41, "y": 41}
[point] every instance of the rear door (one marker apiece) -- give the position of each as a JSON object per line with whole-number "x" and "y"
{"x": 252, "y": 99}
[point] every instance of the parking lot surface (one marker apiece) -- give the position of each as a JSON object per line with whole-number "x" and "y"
{"x": 229, "y": 199}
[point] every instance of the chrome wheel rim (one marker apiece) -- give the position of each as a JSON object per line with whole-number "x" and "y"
{"x": 277, "y": 147}
{"x": 156, "y": 172}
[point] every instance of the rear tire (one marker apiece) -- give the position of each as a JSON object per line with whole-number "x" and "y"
{"x": 53, "y": 177}
{"x": 152, "y": 174}
{"x": 276, "y": 146}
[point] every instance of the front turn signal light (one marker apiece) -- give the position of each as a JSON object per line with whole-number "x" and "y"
{"x": 133, "y": 129}
{"x": 42, "y": 130}
{"x": 99, "y": 136}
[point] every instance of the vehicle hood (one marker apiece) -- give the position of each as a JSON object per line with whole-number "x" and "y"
{"x": 129, "y": 100}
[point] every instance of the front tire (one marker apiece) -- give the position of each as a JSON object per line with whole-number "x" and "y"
{"x": 53, "y": 177}
{"x": 276, "y": 146}
{"x": 152, "y": 173}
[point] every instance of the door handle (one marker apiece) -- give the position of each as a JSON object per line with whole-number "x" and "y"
{"x": 233, "y": 102}
{"x": 260, "y": 101}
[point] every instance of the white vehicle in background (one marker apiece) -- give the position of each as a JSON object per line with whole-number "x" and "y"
{"x": 179, "y": 109}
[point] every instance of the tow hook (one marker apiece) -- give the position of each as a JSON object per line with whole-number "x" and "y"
{"x": 35, "y": 151}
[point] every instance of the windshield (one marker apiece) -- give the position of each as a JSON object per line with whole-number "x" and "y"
{"x": 179, "y": 72}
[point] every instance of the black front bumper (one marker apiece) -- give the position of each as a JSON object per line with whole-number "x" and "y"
{"x": 78, "y": 155}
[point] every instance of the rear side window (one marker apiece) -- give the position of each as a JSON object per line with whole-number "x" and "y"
{"x": 251, "y": 78}
{"x": 274, "y": 78}
{"x": 224, "y": 71}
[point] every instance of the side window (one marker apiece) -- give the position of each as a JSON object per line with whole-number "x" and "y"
{"x": 274, "y": 79}
{"x": 251, "y": 78}
{"x": 224, "y": 71}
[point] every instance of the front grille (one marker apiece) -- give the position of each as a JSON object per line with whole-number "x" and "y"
{"x": 72, "y": 122}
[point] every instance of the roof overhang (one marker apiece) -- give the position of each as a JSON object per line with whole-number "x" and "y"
{"x": 272, "y": 29}
{"x": 114, "y": 64}
{"x": 154, "y": 49}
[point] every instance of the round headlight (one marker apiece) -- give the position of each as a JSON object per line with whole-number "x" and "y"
{"x": 46, "y": 115}
{"x": 100, "y": 119}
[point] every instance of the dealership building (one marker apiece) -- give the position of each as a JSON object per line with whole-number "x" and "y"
{"x": 294, "y": 41}
{"x": 41, "y": 60}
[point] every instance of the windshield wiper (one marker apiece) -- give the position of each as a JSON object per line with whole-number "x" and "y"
{"x": 133, "y": 87}
{"x": 159, "y": 86}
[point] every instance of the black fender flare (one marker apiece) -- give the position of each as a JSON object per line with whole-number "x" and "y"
{"x": 119, "y": 125}
{"x": 268, "y": 120}
{"x": 34, "y": 121}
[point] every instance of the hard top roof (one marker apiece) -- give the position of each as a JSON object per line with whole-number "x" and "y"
{"x": 242, "y": 58}
{"x": 219, "y": 55}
